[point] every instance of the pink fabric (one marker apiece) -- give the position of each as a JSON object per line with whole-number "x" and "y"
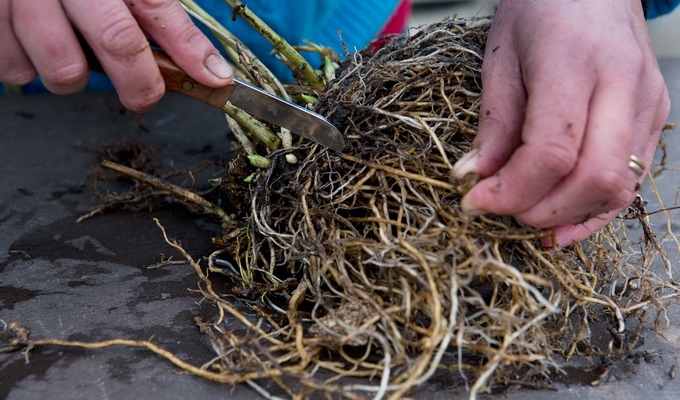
{"x": 399, "y": 19}
{"x": 396, "y": 23}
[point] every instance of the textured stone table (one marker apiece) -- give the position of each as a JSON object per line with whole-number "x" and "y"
{"x": 89, "y": 281}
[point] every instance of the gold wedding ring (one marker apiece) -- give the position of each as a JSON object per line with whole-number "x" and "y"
{"x": 636, "y": 165}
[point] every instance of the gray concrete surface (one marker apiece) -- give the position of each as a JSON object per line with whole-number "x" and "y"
{"x": 89, "y": 281}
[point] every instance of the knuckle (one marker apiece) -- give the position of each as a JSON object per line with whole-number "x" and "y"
{"x": 189, "y": 36}
{"x": 497, "y": 119}
{"x": 160, "y": 10}
{"x": 621, "y": 202}
{"x": 488, "y": 119}
{"x": 656, "y": 81}
{"x": 16, "y": 70}
{"x": 618, "y": 202}
{"x": 154, "y": 4}
{"x": 664, "y": 97}
{"x": 653, "y": 85}
{"x": 557, "y": 158}
{"x": 66, "y": 79}
{"x": 665, "y": 107}
{"x": 143, "y": 101}
{"x": 121, "y": 36}
{"x": 611, "y": 184}
{"x": 18, "y": 76}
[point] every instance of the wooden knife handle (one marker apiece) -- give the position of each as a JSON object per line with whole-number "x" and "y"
{"x": 175, "y": 78}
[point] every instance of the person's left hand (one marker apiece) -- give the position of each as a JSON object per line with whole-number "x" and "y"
{"x": 571, "y": 91}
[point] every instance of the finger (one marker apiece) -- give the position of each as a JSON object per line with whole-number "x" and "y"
{"x": 570, "y": 234}
{"x": 15, "y": 66}
{"x": 122, "y": 49}
{"x": 602, "y": 180}
{"x": 566, "y": 235}
{"x": 48, "y": 39}
{"x": 501, "y": 114}
{"x": 172, "y": 29}
{"x": 551, "y": 137}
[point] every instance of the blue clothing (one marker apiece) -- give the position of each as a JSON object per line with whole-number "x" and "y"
{"x": 656, "y": 8}
{"x": 315, "y": 20}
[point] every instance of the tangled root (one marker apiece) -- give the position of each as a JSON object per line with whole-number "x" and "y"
{"x": 384, "y": 261}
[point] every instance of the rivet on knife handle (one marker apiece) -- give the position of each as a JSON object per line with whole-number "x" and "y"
{"x": 177, "y": 80}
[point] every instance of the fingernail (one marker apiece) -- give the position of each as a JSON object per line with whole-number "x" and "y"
{"x": 547, "y": 243}
{"x": 466, "y": 164}
{"x": 218, "y": 66}
{"x": 470, "y": 209}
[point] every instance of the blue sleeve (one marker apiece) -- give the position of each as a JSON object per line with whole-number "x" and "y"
{"x": 315, "y": 20}
{"x": 656, "y": 8}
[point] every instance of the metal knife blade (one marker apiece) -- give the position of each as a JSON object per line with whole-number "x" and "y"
{"x": 249, "y": 98}
{"x": 254, "y": 101}
{"x": 287, "y": 115}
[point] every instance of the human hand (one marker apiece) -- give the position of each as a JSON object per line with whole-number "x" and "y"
{"x": 572, "y": 89}
{"x": 38, "y": 38}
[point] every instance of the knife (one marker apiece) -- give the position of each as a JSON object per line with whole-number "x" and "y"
{"x": 249, "y": 98}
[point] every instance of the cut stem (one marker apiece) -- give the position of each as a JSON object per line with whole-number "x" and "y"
{"x": 259, "y": 130}
{"x": 206, "y": 206}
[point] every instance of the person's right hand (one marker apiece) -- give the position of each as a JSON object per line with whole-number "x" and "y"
{"x": 38, "y": 38}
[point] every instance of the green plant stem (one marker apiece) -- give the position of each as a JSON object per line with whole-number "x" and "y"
{"x": 234, "y": 48}
{"x": 259, "y": 130}
{"x": 279, "y": 43}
